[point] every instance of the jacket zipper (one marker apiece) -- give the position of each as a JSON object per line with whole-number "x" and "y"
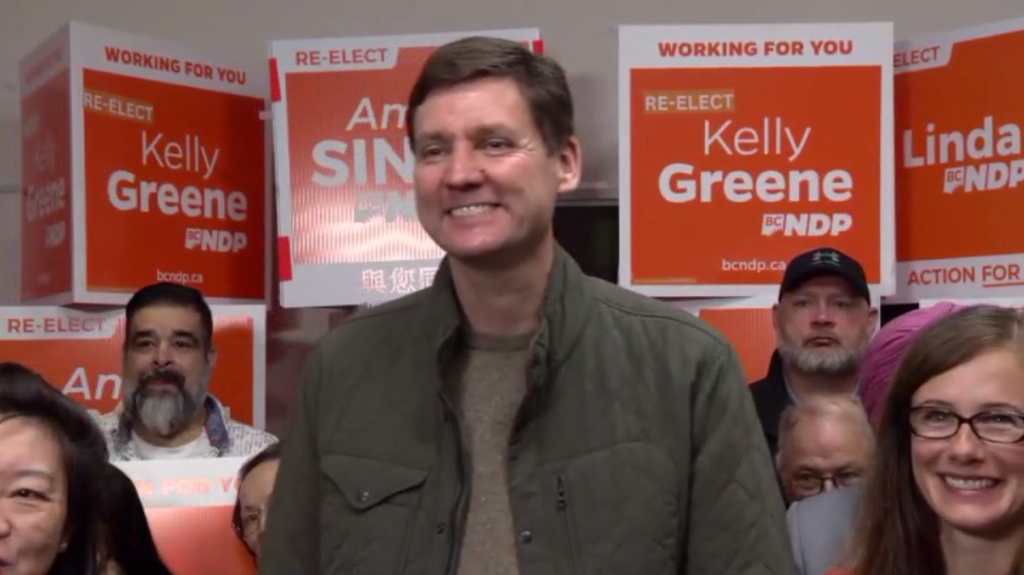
{"x": 563, "y": 510}
{"x": 458, "y": 515}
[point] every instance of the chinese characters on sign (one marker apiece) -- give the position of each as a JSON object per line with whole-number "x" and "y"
{"x": 398, "y": 280}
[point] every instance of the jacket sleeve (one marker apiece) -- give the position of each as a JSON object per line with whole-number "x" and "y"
{"x": 736, "y": 518}
{"x": 291, "y": 543}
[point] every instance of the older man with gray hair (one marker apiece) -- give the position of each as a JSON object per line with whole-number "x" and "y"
{"x": 825, "y": 448}
{"x": 824, "y": 443}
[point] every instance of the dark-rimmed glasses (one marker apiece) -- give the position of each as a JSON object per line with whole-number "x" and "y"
{"x": 993, "y": 426}
{"x": 251, "y": 520}
{"x": 807, "y": 483}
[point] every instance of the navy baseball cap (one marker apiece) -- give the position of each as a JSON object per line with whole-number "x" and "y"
{"x": 825, "y": 261}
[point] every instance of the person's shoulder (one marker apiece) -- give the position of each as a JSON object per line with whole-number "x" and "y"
{"x": 639, "y": 312}
{"x": 367, "y": 326}
{"x": 247, "y": 440}
{"x": 107, "y": 422}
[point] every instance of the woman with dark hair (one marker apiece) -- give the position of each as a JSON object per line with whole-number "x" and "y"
{"x": 947, "y": 493}
{"x": 821, "y": 527}
{"x": 255, "y": 487}
{"x": 128, "y": 547}
{"x": 51, "y": 462}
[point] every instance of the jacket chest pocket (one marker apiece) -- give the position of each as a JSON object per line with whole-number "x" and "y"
{"x": 615, "y": 511}
{"x": 369, "y": 510}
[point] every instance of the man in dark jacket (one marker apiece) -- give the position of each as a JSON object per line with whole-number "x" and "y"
{"x": 518, "y": 417}
{"x": 823, "y": 323}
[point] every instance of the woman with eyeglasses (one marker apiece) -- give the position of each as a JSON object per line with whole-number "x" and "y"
{"x": 946, "y": 496}
{"x": 256, "y": 485}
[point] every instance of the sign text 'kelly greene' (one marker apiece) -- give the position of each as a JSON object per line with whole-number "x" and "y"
{"x": 774, "y": 138}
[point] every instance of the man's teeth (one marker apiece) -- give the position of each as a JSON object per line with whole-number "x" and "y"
{"x": 471, "y": 210}
{"x": 968, "y": 484}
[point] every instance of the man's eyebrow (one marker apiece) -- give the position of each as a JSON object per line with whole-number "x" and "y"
{"x": 435, "y": 136}
{"x": 184, "y": 333}
{"x": 805, "y": 469}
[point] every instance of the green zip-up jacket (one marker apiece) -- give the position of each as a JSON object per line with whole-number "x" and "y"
{"x": 637, "y": 450}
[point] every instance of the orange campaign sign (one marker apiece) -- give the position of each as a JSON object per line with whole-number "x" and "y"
{"x": 152, "y": 168}
{"x": 747, "y": 323}
{"x": 348, "y": 233}
{"x": 960, "y": 163}
{"x": 79, "y": 352}
{"x": 759, "y": 142}
{"x": 46, "y": 170}
{"x": 188, "y": 505}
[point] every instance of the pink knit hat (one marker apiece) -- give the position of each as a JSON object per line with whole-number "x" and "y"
{"x": 884, "y": 353}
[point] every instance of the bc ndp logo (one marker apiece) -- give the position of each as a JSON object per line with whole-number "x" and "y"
{"x": 806, "y": 224}
{"x": 215, "y": 240}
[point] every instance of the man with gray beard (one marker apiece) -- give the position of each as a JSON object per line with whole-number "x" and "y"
{"x": 823, "y": 322}
{"x": 167, "y": 411}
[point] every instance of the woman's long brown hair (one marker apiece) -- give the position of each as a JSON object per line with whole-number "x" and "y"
{"x": 898, "y": 533}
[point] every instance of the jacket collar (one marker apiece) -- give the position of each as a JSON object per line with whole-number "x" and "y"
{"x": 566, "y": 308}
{"x": 216, "y": 427}
{"x": 775, "y": 397}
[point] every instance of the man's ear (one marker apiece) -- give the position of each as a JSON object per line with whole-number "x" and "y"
{"x": 211, "y": 357}
{"x": 570, "y": 165}
{"x": 775, "y": 317}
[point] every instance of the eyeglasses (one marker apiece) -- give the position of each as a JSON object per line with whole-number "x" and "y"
{"x": 992, "y": 426}
{"x": 251, "y": 520}
{"x": 812, "y": 483}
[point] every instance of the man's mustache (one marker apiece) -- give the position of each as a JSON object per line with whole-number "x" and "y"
{"x": 163, "y": 376}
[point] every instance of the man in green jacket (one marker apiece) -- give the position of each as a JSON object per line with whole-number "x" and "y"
{"x": 519, "y": 417}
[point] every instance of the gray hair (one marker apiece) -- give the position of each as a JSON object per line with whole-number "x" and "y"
{"x": 845, "y": 408}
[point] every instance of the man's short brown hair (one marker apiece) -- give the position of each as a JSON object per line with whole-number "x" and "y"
{"x": 541, "y": 80}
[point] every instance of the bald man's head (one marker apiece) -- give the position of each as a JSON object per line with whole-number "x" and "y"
{"x": 824, "y": 442}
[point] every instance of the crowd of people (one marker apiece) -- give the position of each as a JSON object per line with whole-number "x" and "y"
{"x": 65, "y": 505}
{"x": 520, "y": 417}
